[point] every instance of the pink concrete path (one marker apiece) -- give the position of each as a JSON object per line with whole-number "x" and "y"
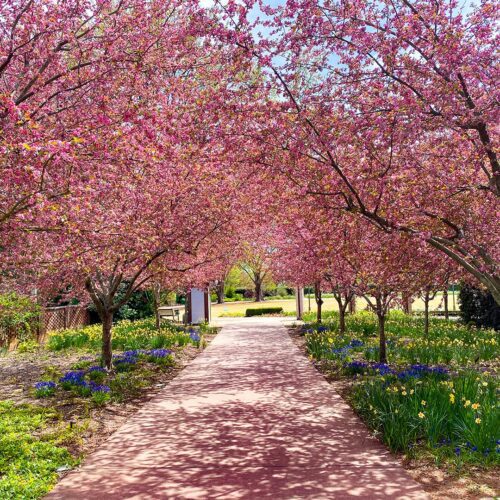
{"x": 248, "y": 418}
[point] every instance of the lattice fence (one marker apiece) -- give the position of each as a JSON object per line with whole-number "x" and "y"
{"x": 59, "y": 318}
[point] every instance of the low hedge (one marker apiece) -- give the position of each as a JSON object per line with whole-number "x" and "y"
{"x": 263, "y": 310}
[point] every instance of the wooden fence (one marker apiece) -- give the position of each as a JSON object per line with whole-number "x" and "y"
{"x": 50, "y": 319}
{"x": 60, "y": 318}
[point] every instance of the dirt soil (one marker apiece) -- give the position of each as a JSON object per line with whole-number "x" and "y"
{"x": 439, "y": 482}
{"x": 20, "y": 371}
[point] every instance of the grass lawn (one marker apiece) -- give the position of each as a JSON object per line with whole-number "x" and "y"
{"x": 330, "y": 304}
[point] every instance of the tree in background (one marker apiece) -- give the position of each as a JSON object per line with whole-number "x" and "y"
{"x": 387, "y": 110}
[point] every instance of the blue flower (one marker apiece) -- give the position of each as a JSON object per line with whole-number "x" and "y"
{"x": 457, "y": 450}
{"x": 355, "y": 343}
{"x": 99, "y": 388}
{"x": 160, "y": 353}
{"x": 382, "y": 368}
{"x": 45, "y": 385}
{"x": 132, "y": 354}
{"x": 96, "y": 369}
{"x": 194, "y": 337}
{"x": 73, "y": 378}
{"x": 357, "y": 365}
{"x": 418, "y": 371}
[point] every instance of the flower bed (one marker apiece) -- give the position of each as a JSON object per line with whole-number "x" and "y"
{"x": 73, "y": 401}
{"x": 437, "y": 395}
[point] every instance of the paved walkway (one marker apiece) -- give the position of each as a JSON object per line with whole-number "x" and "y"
{"x": 248, "y": 418}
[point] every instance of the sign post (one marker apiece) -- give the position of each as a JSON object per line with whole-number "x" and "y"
{"x": 198, "y": 306}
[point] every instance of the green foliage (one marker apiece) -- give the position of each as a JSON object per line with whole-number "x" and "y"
{"x": 29, "y": 457}
{"x": 28, "y": 346}
{"x": 100, "y": 398}
{"x": 139, "y": 306}
{"x": 235, "y": 297}
{"x": 263, "y": 310}
{"x": 479, "y": 307}
{"x": 19, "y": 317}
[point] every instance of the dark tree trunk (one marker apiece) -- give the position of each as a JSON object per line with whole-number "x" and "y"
{"x": 341, "y": 320}
{"x": 107, "y": 325}
{"x": 380, "y": 308}
{"x": 407, "y": 302}
{"x": 342, "y": 310}
{"x": 381, "y": 335}
{"x": 319, "y": 302}
{"x": 426, "y": 314}
{"x": 445, "y": 300}
{"x": 258, "y": 290}
{"x": 352, "y": 305}
{"x": 220, "y": 292}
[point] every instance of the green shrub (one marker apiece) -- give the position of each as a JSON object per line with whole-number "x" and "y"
{"x": 263, "y": 310}
{"x": 19, "y": 318}
{"x": 479, "y": 307}
{"x": 100, "y": 398}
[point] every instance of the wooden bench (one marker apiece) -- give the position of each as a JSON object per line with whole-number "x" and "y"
{"x": 172, "y": 313}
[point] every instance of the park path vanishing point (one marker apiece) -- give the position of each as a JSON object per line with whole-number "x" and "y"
{"x": 248, "y": 418}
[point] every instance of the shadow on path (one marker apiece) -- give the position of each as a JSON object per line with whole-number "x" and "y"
{"x": 248, "y": 418}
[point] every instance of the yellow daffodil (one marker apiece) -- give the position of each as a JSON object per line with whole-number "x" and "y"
{"x": 478, "y": 421}
{"x": 423, "y": 403}
{"x": 475, "y": 406}
{"x": 421, "y": 415}
{"x": 467, "y": 403}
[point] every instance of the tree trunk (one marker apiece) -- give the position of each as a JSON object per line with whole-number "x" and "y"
{"x": 445, "y": 301}
{"x": 426, "y": 314}
{"x": 381, "y": 335}
{"x": 319, "y": 302}
{"x": 407, "y": 302}
{"x": 220, "y": 292}
{"x": 107, "y": 324}
{"x": 258, "y": 290}
{"x": 342, "y": 320}
{"x": 352, "y": 305}
{"x": 342, "y": 309}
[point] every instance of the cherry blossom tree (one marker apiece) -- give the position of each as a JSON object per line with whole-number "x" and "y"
{"x": 386, "y": 110}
